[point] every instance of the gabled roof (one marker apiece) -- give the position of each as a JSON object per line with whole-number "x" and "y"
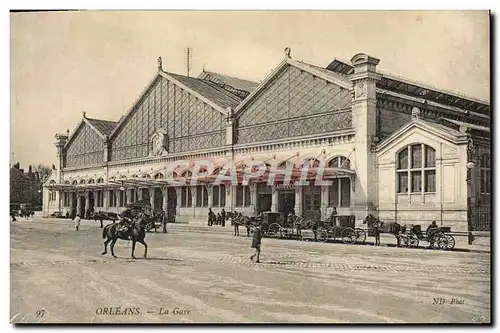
{"x": 399, "y": 84}
{"x": 314, "y": 70}
{"x": 105, "y": 127}
{"x": 439, "y": 130}
{"x": 209, "y": 90}
{"x": 226, "y": 80}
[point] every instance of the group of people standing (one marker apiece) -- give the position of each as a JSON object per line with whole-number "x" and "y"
{"x": 219, "y": 219}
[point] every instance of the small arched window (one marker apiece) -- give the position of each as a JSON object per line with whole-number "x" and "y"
{"x": 340, "y": 162}
{"x": 416, "y": 169}
{"x": 285, "y": 164}
{"x": 310, "y": 163}
{"x": 100, "y": 180}
{"x": 159, "y": 175}
{"x": 82, "y": 181}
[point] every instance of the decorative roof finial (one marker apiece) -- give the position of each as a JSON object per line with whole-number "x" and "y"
{"x": 160, "y": 67}
{"x": 84, "y": 114}
{"x": 67, "y": 132}
{"x": 287, "y": 52}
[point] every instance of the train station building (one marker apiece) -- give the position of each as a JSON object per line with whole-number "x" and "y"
{"x": 389, "y": 146}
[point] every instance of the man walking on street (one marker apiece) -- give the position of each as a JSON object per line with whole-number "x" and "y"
{"x": 77, "y": 222}
{"x": 256, "y": 242}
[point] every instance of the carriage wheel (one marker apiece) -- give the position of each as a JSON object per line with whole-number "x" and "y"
{"x": 348, "y": 236}
{"x": 413, "y": 242}
{"x": 252, "y": 230}
{"x": 360, "y": 235}
{"x": 434, "y": 239}
{"x": 274, "y": 230}
{"x": 404, "y": 241}
{"x": 446, "y": 242}
{"x": 321, "y": 235}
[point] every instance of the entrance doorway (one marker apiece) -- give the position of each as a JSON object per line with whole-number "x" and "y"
{"x": 73, "y": 205}
{"x": 91, "y": 201}
{"x": 171, "y": 204}
{"x": 286, "y": 202}
{"x": 158, "y": 199}
{"x": 311, "y": 203}
{"x": 264, "y": 202}
{"x": 145, "y": 194}
{"x": 82, "y": 206}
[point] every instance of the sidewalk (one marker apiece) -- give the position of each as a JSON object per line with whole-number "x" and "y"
{"x": 461, "y": 243}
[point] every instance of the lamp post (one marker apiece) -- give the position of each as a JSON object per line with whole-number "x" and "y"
{"x": 41, "y": 199}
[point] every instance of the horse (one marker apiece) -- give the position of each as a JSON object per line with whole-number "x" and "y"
{"x": 379, "y": 227}
{"x": 298, "y": 223}
{"x": 239, "y": 220}
{"x": 135, "y": 232}
{"x": 100, "y": 216}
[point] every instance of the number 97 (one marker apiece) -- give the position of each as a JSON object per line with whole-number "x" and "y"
{"x": 40, "y": 313}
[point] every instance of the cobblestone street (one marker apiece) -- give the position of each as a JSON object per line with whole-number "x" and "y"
{"x": 59, "y": 275}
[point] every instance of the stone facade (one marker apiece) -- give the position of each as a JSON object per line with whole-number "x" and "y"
{"x": 357, "y": 124}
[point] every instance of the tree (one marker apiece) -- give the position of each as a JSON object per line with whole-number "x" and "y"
{"x": 43, "y": 171}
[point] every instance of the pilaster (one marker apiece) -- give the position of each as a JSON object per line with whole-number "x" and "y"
{"x": 324, "y": 201}
{"x": 274, "y": 199}
{"x": 364, "y": 118}
{"x": 298, "y": 200}
{"x": 105, "y": 200}
{"x": 253, "y": 198}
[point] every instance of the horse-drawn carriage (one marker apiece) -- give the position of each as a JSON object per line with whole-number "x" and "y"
{"x": 340, "y": 227}
{"x": 274, "y": 225}
{"x": 437, "y": 238}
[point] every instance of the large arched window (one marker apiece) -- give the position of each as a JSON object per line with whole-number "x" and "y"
{"x": 340, "y": 190}
{"x": 416, "y": 169}
{"x": 484, "y": 167}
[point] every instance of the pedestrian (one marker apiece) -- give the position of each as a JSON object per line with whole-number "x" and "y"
{"x": 256, "y": 242}
{"x": 234, "y": 222}
{"x": 223, "y": 214}
{"x": 376, "y": 231}
{"x": 396, "y": 230}
{"x": 210, "y": 217}
{"x": 219, "y": 219}
{"x": 431, "y": 229}
{"x": 77, "y": 221}
{"x": 163, "y": 220}
{"x": 13, "y": 215}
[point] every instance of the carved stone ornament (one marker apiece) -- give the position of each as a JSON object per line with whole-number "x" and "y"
{"x": 159, "y": 144}
{"x": 360, "y": 90}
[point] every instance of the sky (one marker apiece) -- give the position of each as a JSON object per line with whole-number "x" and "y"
{"x": 62, "y": 64}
